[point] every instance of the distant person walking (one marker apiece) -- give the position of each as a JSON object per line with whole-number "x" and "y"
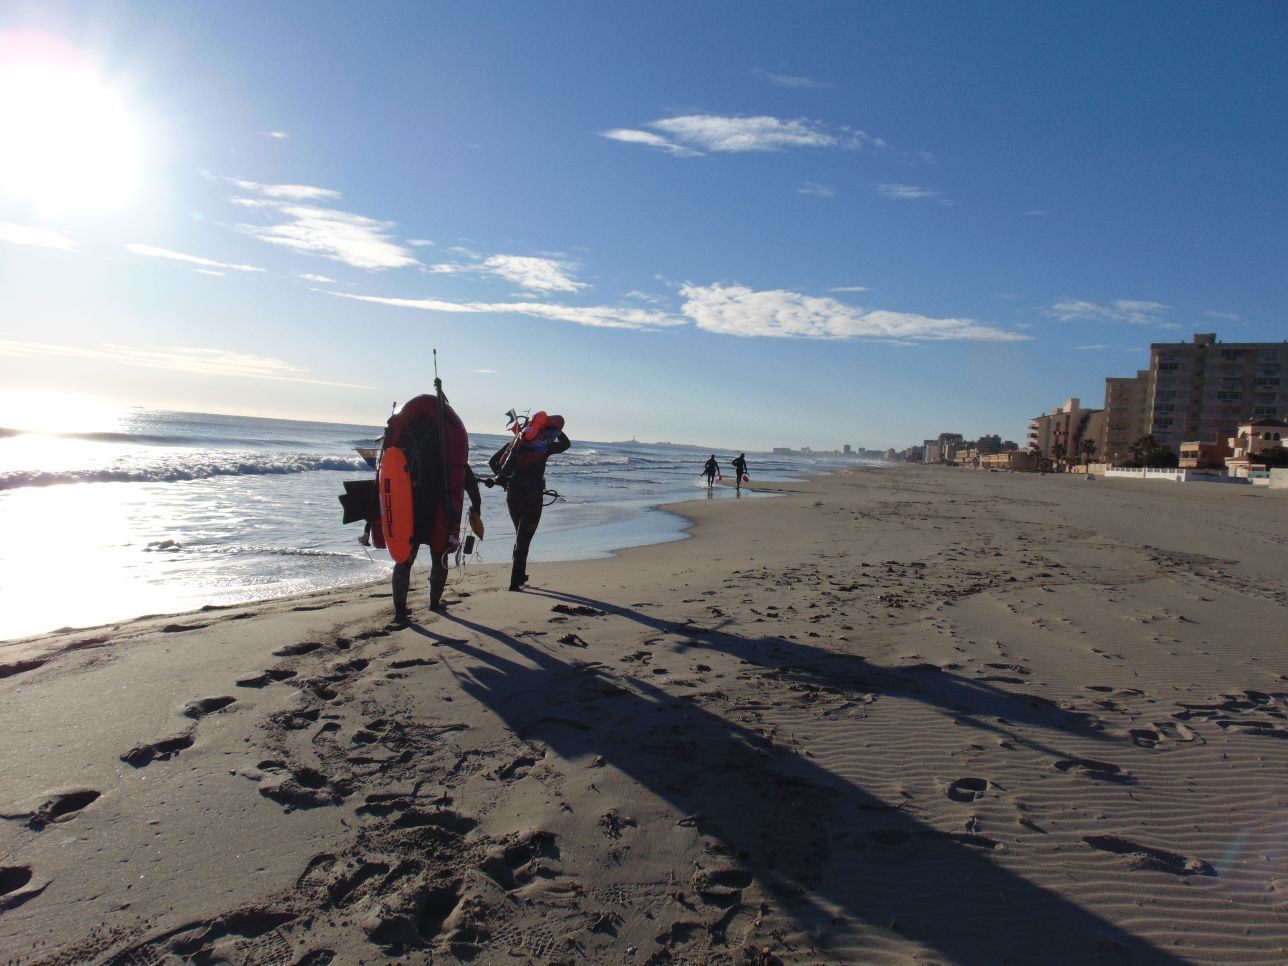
{"x": 520, "y": 468}
{"x": 711, "y": 471}
{"x": 740, "y": 470}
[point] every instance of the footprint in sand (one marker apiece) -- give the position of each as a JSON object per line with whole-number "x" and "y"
{"x": 61, "y": 808}
{"x": 18, "y": 884}
{"x": 1147, "y": 857}
{"x": 204, "y": 706}
{"x": 1091, "y": 768}
{"x": 19, "y": 667}
{"x": 266, "y": 678}
{"x": 141, "y": 756}
{"x": 295, "y": 650}
{"x": 967, "y": 789}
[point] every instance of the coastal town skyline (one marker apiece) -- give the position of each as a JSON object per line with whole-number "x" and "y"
{"x": 775, "y": 229}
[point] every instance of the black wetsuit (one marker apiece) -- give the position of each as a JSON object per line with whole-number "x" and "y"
{"x": 437, "y": 566}
{"x": 711, "y": 470}
{"x": 524, "y": 482}
{"x": 739, "y": 470}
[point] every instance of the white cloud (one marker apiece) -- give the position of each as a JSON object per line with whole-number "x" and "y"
{"x": 40, "y": 237}
{"x": 526, "y": 271}
{"x": 338, "y": 235}
{"x": 341, "y": 236}
{"x": 906, "y": 192}
{"x": 278, "y": 135}
{"x": 486, "y": 372}
{"x": 714, "y": 132}
{"x": 1223, "y": 316}
{"x": 737, "y": 310}
{"x": 649, "y": 139}
{"x": 1098, "y": 345}
{"x": 595, "y": 316}
{"x": 419, "y": 242}
{"x": 1132, "y": 311}
{"x": 691, "y": 135}
{"x": 817, "y": 190}
{"x": 286, "y": 192}
{"x": 789, "y": 80}
{"x": 320, "y": 279}
{"x": 151, "y": 251}
{"x": 850, "y": 288}
{"x": 208, "y": 271}
{"x": 208, "y": 362}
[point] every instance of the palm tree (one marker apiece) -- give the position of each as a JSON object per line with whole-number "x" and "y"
{"x": 1143, "y": 449}
{"x": 1088, "y": 448}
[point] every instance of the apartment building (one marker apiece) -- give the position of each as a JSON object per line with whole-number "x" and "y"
{"x": 1127, "y": 410}
{"x": 1059, "y": 434}
{"x": 1201, "y": 390}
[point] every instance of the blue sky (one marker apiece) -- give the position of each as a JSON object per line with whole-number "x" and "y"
{"x": 743, "y": 225}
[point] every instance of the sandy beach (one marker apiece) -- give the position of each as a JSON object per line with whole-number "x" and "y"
{"x": 903, "y": 715}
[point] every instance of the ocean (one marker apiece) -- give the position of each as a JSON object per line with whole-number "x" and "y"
{"x": 162, "y": 512}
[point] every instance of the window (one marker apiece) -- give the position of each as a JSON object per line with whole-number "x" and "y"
{"x": 1167, "y": 367}
{"x": 1267, "y": 383}
{"x": 1263, "y": 411}
{"x": 1227, "y": 397}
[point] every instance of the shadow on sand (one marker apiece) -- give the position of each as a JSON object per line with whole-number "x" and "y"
{"x": 829, "y": 851}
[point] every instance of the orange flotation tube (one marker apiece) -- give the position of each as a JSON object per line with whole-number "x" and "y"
{"x": 397, "y": 510}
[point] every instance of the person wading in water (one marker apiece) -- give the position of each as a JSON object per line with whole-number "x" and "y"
{"x": 711, "y": 470}
{"x": 520, "y": 467}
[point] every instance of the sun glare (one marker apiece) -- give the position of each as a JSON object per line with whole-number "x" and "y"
{"x": 70, "y": 142}
{"x": 41, "y": 411}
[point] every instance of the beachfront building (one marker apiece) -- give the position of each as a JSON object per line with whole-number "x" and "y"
{"x": 1059, "y": 435}
{"x": 1197, "y": 455}
{"x": 1018, "y": 460}
{"x": 1202, "y": 388}
{"x": 1127, "y": 408}
{"x": 1255, "y": 436}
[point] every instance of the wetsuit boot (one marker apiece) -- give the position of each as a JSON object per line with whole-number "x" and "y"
{"x": 401, "y": 584}
{"x": 437, "y": 582}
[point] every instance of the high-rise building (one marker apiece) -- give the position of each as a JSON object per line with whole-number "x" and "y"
{"x": 1126, "y": 416}
{"x": 1202, "y": 390}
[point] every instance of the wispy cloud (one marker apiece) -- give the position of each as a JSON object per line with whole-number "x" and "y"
{"x": 595, "y": 316}
{"x": 816, "y": 190}
{"x": 1224, "y": 316}
{"x": 850, "y": 288}
{"x": 528, "y": 272}
{"x": 341, "y": 236}
{"x": 151, "y": 251}
{"x": 486, "y": 372}
{"x": 689, "y": 135}
{"x": 651, "y": 140}
{"x": 1098, "y": 345}
{"x": 40, "y": 237}
{"x": 419, "y": 242}
{"x": 320, "y": 279}
{"x": 788, "y": 80}
{"x": 908, "y": 192}
{"x": 1131, "y": 311}
{"x": 1036, "y": 212}
{"x": 738, "y": 310}
{"x": 277, "y": 135}
{"x": 199, "y": 361}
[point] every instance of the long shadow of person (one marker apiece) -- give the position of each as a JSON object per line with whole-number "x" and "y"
{"x": 830, "y": 852}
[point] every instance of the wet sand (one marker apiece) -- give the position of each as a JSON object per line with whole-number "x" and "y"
{"x": 918, "y": 714}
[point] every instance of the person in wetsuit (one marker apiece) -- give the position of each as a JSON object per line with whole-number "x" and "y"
{"x": 711, "y": 470}
{"x": 438, "y": 562}
{"x": 739, "y": 469}
{"x": 523, "y": 474}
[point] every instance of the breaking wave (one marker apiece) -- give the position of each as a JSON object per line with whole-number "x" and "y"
{"x": 178, "y": 472}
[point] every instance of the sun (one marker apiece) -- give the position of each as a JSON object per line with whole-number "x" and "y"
{"x": 70, "y": 142}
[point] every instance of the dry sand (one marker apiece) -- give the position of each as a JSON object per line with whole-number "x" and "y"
{"x": 904, "y": 715}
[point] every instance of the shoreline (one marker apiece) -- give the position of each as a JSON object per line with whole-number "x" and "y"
{"x": 906, "y": 713}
